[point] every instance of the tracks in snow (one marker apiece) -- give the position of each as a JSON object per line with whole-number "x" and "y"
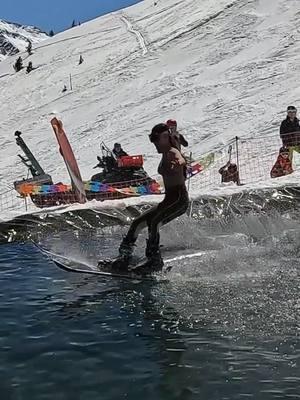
{"x": 137, "y": 33}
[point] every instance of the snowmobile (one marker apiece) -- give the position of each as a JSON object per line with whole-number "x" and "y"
{"x": 121, "y": 169}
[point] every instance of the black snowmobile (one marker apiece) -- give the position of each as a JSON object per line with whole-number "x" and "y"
{"x": 122, "y": 169}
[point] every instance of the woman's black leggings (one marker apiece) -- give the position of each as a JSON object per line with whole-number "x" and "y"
{"x": 175, "y": 203}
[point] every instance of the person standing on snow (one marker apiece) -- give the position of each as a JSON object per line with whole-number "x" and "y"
{"x": 290, "y": 131}
{"x": 179, "y": 138}
{"x": 172, "y": 168}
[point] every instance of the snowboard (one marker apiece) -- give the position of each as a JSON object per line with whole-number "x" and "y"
{"x": 70, "y": 265}
{"x": 81, "y": 267}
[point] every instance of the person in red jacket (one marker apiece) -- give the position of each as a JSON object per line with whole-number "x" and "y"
{"x": 283, "y": 165}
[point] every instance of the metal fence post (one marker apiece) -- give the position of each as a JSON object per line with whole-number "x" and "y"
{"x": 237, "y": 153}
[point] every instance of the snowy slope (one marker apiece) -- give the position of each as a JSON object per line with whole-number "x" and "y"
{"x": 15, "y": 38}
{"x": 220, "y": 67}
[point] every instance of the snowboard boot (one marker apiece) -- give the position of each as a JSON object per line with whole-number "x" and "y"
{"x": 154, "y": 262}
{"x": 121, "y": 262}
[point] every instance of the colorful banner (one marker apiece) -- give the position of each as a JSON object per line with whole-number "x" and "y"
{"x": 27, "y": 189}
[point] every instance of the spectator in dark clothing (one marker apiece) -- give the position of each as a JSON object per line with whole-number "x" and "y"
{"x": 289, "y": 126}
{"x": 179, "y": 139}
{"x": 283, "y": 165}
{"x": 118, "y": 151}
{"x": 290, "y": 131}
{"x": 230, "y": 173}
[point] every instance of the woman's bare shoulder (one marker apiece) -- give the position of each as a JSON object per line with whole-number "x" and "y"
{"x": 175, "y": 152}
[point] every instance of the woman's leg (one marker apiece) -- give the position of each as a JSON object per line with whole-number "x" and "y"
{"x": 126, "y": 247}
{"x": 164, "y": 214}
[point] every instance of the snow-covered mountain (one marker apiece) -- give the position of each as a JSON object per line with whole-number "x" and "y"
{"x": 15, "y": 37}
{"x": 222, "y": 68}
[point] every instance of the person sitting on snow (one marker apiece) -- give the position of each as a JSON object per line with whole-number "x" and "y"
{"x": 118, "y": 151}
{"x": 230, "y": 173}
{"x": 179, "y": 138}
{"x": 283, "y": 164}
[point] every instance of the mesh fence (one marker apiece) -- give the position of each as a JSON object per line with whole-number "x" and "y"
{"x": 10, "y": 201}
{"x": 254, "y": 157}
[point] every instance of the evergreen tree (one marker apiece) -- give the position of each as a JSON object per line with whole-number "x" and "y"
{"x": 29, "y": 48}
{"x": 18, "y": 64}
{"x": 51, "y": 33}
{"x": 29, "y": 67}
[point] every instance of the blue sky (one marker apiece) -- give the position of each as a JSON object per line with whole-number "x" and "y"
{"x": 57, "y": 14}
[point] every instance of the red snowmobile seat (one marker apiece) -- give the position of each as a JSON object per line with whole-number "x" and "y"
{"x": 130, "y": 161}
